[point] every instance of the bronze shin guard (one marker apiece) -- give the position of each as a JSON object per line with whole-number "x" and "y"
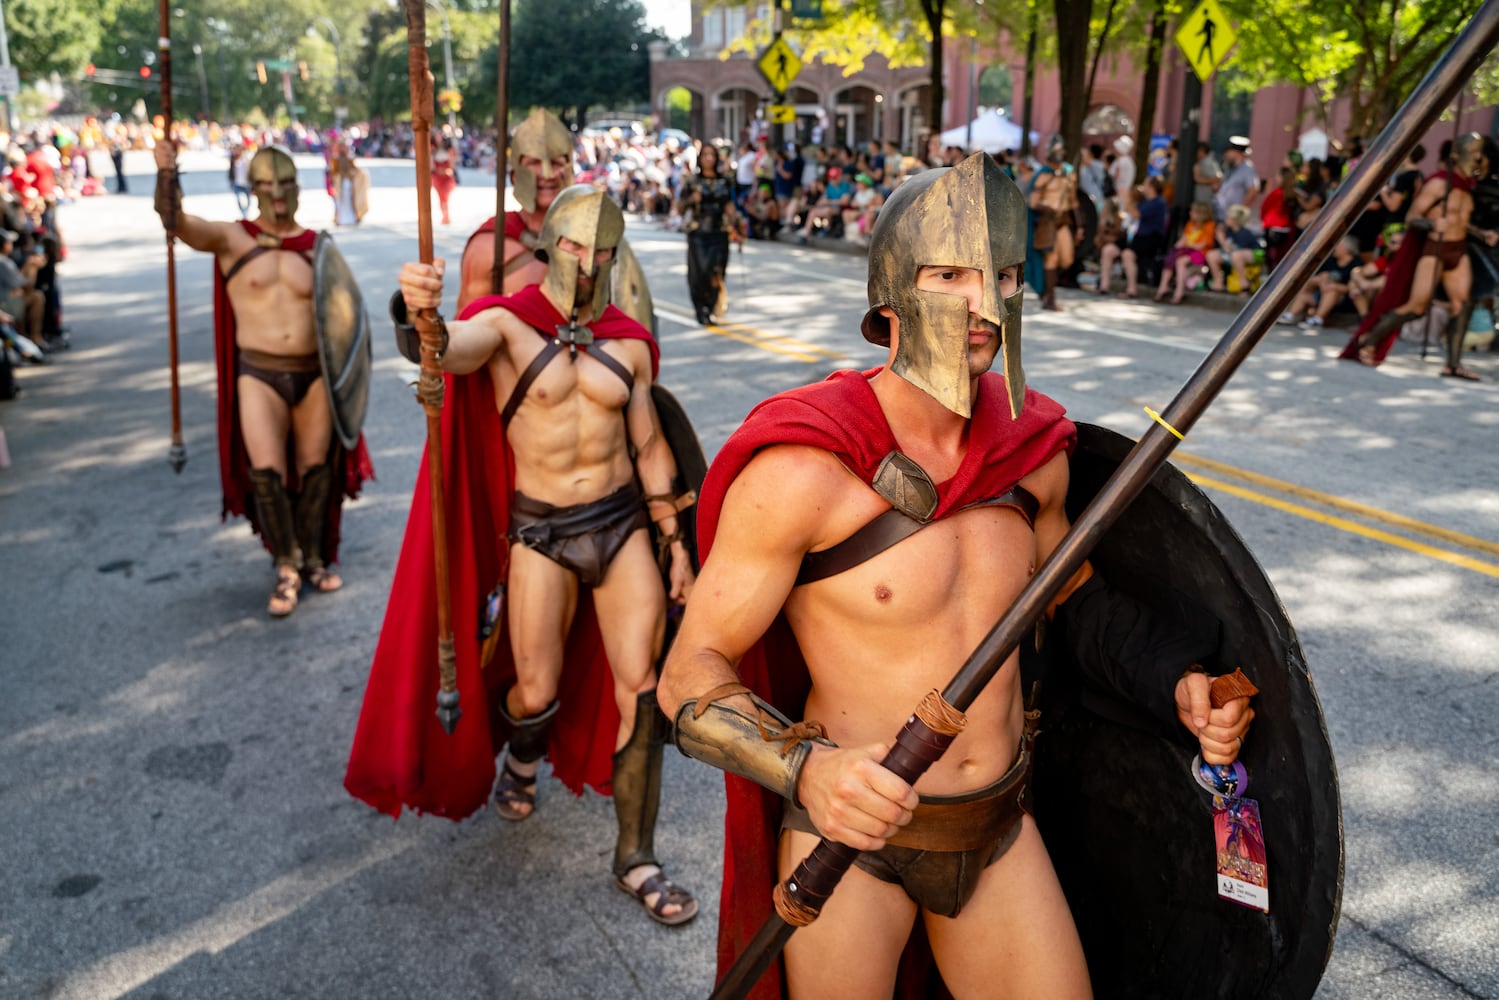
{"x": 1049, "y": 288}
{"x": 312, "y": 513}
{"x": 1457, "y": 335}
{"x": 637, "y": 786}
{"x": 1389, "y": 322}
{"x": 273, "y": 508}
{"x": 528, "y": 739}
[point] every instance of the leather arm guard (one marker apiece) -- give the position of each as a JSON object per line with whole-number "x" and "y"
{"x": 168, "y": 202}
{"x": 769, "y": 749}
{"x": 1130, "y": 654}
{"x": 408, "y": 341}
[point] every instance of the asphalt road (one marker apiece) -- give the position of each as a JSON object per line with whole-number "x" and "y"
{"x": 171, "y": 759}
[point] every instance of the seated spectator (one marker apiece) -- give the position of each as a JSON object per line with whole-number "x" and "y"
{"x": 1325, "y": 289}
{"x": 1278, "y": 217}
{"x": 1110, "y": 241}
{"x": 19, "y": 296}
{"x": 53, "y": 332}
{"x": 1185, "y": 261}
{"x": 1237, "y": 244}
{"x": 835, "y": 198}
{"x": 1368, "y": 279}
{"x": 1149, "y": 239}
{"x": 859, "y": 215}
{"x": 763, "y": 212}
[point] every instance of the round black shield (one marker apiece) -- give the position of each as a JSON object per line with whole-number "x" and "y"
{"x": 1129, "y": 831}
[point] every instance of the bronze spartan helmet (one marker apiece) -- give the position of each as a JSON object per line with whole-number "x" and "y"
{"x": 274, "y": 165}
{"x": 971, "y": 215}
{"x": 590, "y": 218}
{"x": 1468, "y": 155}
{"x": 543, "y": 137}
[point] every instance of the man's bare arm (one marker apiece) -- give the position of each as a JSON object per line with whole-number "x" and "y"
{"x": 657, "y": 468}
{"x": 1218, "y": 731}
{"x": 472, "y": 342}
{"x": 200, "y": 234}
{"x": 1431, "y": 192}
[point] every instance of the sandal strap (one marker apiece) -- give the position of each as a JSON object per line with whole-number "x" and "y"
{"x": 668, "y": 893}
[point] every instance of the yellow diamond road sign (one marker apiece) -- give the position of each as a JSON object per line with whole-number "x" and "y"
{"x": 1205, "y": 38}
{"x": 779, "y": 64}
{"x": 782, "y": 114}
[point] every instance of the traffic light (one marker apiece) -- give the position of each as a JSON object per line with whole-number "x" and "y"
{"x": 88, "y": 70}
{"x": 260, "y": 71}
{"x": 145, "y": 72}
{"x": 302, "y": 70}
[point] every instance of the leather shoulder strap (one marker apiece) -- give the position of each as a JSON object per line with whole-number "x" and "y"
{"x": 893, "y": 526}
{"x": 518, "y": 394}
{"x": 250, "y": 255}
{"x": 603, "y": 358}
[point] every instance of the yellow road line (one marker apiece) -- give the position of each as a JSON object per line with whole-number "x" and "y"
{"x": 1456, "y": 559}
{"x": 771, "y": 338}
{"x": 1338, "y": 503}
{"x": 800, "y": 355}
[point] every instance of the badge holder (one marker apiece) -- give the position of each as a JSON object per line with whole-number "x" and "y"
{"x": 1238, "y": 833}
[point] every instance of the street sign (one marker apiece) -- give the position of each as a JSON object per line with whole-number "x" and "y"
{"x": 810, "y": 10}
{"x": 779, "y": 64}
{"x": 10, "y": 81}
{"x": 1205, "y": 38}
{"x": 781, "y": 114}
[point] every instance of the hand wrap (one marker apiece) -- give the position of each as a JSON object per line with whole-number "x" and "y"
{"x": 408, "y": 341}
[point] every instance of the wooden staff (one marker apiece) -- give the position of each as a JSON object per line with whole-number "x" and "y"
{"x": 925, "y": 737}
{"x": 428, "y": 328}
{"x": 177, "y": 457}
{"x": 501, "y": 152}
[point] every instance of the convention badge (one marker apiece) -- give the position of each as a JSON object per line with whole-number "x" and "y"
{"x": 1242, "y": 874}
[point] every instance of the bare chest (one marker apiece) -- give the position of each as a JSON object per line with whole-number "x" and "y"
{"x": 282, "y": 273}
{"x": 569, "y": 383}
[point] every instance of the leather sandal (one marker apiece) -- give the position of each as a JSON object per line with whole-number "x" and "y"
{"x": 667, "y": 893}
{"x": 1462, "y": 373}
{"x": 322, "y": 579}
{"x": 511, "y": 790}
{"x": 284, "y": 597}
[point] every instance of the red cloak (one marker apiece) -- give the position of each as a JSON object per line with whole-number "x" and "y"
{"x": 841, "y": 415}
{"x": 401, "y": 756}
{"x": 1396, "y": 290}
{"x": 350, "y": 468}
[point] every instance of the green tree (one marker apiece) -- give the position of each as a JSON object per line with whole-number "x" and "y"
{"x": 47, "y": 36}
{"x": 571, "y": 57}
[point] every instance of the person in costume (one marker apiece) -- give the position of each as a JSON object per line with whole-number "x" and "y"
{"x": 444, "y": 171}
{"x": 860, "y": 537}
{"x": 1435, "y": 250}
{"x": 541, "y": 165}
{"x": 1053, "y": 200}
{"x": 548, "y": 399}
{"x": 350, "y": 185}
{"x": 708, "y": 207}
{"x": 280, "y": 463}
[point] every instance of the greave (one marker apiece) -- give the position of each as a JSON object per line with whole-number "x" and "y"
{"x": 1049, "y": 289}
{"x": 312, "y": 514}
{"x": 273, "y": 509}
{"x": 528, "y": 739}
{"x": 637, "y": 786}
{"x": 1457, "y": 334}
{"x": 1383, "y": 327}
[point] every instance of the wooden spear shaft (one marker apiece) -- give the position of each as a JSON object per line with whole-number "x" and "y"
{"x": 917, "y": 746}
{"x": 177, "y": 457}
{"x": 430, "y": 384}
{"x": 501, "y": 151}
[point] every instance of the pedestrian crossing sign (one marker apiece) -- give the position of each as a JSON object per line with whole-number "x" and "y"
{"x": 779, "y": 64}
{"x": 1205, "y": 38}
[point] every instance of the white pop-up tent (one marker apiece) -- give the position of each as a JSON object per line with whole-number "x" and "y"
{"x": 991, "y": 132}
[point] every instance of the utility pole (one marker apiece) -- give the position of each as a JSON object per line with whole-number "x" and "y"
{"x": 9, "y": 80}
{"x": 447, "y": 58}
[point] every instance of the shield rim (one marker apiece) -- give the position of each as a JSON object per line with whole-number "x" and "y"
{"x": 326, "y": 254}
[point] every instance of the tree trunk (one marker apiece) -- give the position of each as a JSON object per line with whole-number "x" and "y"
{"x": 1074, "y": 18}
{"x": 1150, "y": 92}
{"x": 1103, "y": 37}
{"x": 1030, "y": 87}
{"x": 934, "y": 9}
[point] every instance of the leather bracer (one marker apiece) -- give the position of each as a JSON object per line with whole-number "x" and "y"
{"x": 408, "y": 341}
{"x": 769, "y": 749}
{"x": 168, "y": 201}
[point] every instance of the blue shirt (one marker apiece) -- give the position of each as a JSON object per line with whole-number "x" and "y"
{"x": 1152, "y": 217}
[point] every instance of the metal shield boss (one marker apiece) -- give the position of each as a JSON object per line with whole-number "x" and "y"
{"x": 542, "y": 137}
{"x": 591, "y": 219}
{"x": 1130, "y": 833}
{"x": 971, "y": 216}
{"x": 343, "y": 339}
{"x": 274, "y": 165}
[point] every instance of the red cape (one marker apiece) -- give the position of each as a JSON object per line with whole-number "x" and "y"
{"x": 842, "y": 415}
{"x": 401, "y": 756}
{"x": 350, "y": 469}
{"x": 1396, "y": 290}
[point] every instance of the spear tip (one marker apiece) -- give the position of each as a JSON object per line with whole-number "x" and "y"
{"x": 448, "y": 712}
{"x": 177, "y": 458}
